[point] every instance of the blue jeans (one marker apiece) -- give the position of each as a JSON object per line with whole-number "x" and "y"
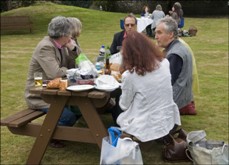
{"x": 67, "y": 118}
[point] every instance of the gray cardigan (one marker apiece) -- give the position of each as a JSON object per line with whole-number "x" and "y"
{"x": 182, "y": 88}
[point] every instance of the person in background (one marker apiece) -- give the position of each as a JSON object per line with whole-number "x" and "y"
{"x": 130, "y": 23}
{"x": 181, "y": 66}
{"x": 181, "y": 12}
{"x": 149, "y": 111}
{"x": 157, "y": 15}
{"x": 53, "y": 56}
{"x": 176, "y": 12}
{"x": 145, "y": 13}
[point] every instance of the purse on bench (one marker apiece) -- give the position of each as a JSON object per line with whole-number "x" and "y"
{"x": 175, "y": 146}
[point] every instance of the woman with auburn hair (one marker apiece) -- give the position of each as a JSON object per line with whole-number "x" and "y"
{"x": 149, "y": 111}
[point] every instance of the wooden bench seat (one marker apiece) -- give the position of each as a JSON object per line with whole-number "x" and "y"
{"x": 21, "y": 118}
{"x": 15, "y": 23}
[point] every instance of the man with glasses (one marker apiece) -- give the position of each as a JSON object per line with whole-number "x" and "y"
{"x": 130, "y": 23}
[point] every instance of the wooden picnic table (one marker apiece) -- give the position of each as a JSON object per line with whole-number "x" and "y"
{"x": 87, "y": 101}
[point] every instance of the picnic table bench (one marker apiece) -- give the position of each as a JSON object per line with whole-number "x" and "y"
{"x": 21, "y": 118}
{"x": 21, "y": 123}
{"x": 14, "y": 23}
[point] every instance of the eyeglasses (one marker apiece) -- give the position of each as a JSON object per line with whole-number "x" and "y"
{"x": 130, "y": 24}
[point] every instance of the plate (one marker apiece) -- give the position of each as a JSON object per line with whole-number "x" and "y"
{"x": 80, "y": 87}
{"x": 107, "y": 88}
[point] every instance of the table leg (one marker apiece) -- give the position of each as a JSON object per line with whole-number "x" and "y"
{"x": 47, "y": 129}
{"x": 92, "y": 119}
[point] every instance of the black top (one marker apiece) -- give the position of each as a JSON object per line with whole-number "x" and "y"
{"x": 117, "y": 42}
{"x": 176, "y": 64}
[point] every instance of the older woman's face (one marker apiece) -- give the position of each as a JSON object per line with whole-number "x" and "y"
{"x": 130, "y": 24}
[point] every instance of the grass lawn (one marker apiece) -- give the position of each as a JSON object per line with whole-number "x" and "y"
{"x": 210, "y": 47}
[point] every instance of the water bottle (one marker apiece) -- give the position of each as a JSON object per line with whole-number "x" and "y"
{"x": 101, "y": 56}
{"x": 102, "y": 51}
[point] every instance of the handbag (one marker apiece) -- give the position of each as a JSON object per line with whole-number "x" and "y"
{"x": 118, "y": 151}
{"x": 175, "y": 146}
{"x": 203, "y": 151}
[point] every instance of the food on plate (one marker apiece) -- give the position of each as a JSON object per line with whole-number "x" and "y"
{"x": 115, "y": 71}
{"x": 117, "y": 76}
{"x": 115, "y": 67}
{"x": 54, "y": 83}
{"x": 86, "y": 81}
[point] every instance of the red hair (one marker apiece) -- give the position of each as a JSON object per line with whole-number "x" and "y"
{"x": 140, "y": 54}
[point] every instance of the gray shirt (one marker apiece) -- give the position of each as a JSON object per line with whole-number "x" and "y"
{"x": 156, "y": 16}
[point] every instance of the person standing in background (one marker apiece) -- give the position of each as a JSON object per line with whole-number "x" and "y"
{"x": 157, "y": 15}
{"x": 181, "y": 64}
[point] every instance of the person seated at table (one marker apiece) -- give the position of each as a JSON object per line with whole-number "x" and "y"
{"x": 130, "y": 23}
{"x": 77, "y": 25}
{"x": 53, "y": 56}
{"x": 149, "y": 111}
{"x": 157, "y": 15}
{"x": 145, "y": 13}
{"x": 181, "y": 64}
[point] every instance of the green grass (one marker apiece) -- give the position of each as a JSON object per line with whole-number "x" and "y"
{"x": 211, "y": 52}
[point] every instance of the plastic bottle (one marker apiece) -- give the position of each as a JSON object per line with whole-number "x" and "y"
{"x": 102, "y": 51}
{"x": 101, "y": 56}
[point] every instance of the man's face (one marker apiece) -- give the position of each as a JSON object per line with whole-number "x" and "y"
{"x": 162, "y": 36}
{"x": 129, "y": 24}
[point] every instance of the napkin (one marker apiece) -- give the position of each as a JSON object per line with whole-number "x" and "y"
{"x": 107, "y": 80}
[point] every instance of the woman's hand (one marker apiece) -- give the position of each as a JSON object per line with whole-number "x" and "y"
{"x": 71, "y": 44}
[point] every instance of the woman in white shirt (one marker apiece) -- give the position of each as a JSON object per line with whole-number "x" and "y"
{"x": 149, "y": 111}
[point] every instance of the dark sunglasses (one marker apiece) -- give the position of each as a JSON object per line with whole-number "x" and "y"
{"x": 127, "y": 25}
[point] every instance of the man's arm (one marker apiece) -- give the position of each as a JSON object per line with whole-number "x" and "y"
{"x": 176, "y": 64}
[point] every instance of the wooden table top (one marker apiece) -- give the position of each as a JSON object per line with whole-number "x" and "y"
{"x": 92, "y": 93}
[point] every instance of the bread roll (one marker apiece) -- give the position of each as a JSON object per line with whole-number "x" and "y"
{"x": 54, "y": 83}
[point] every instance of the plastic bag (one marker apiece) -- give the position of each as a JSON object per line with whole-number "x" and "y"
{"x": 86, "y": 67}
{"x": 116, "y": 150}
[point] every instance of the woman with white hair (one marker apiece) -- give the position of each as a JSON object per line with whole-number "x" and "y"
{"x": 77, "y": 27}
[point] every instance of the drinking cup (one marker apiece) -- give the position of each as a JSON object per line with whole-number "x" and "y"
{"x": 38, "y": 81}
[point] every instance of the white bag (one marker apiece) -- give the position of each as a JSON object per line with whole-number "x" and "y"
{"x": 116, "y": 58}
{"x": 206, "y": 151}
{"x": 127, "y": 151}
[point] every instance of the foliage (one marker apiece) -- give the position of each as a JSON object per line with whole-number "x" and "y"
{"x": 191, "y": 8}
{"x": 211, "y": 52}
